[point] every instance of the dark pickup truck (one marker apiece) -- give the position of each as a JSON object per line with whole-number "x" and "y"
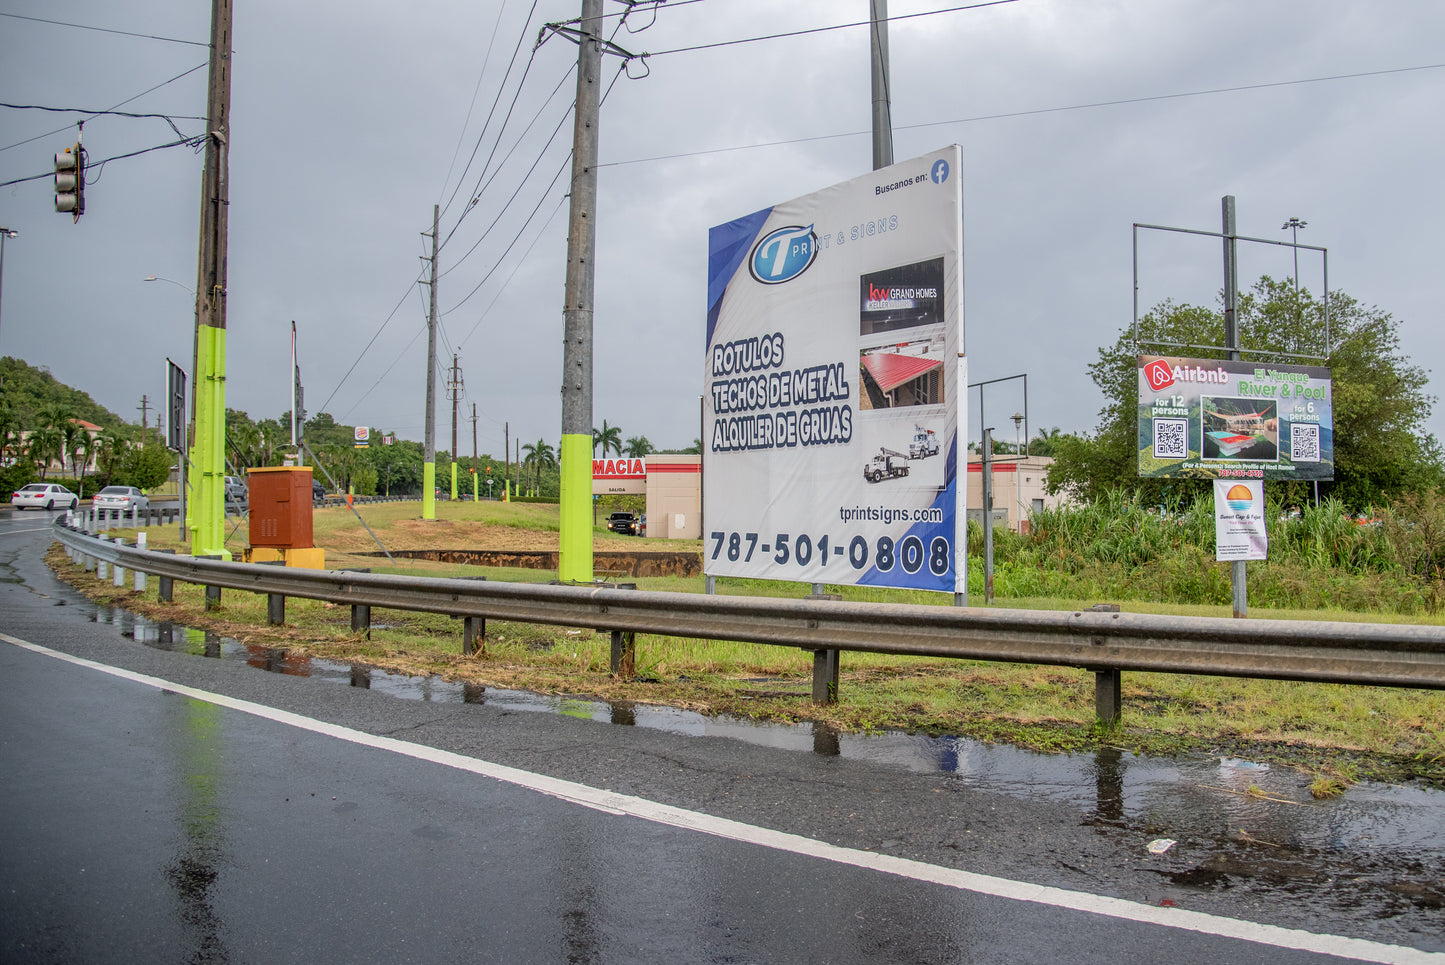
{"x": 624, "y": 524}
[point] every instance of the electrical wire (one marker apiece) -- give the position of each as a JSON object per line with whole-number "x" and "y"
{"x": 93, "y": 165}
{"x": 148, "y": 90}
{"x": 105, "y": 30}
{"x": 516, "y": 266}
{"x": 88, "y": 113}
{"x": 520, "y": 185}
{"x": 481, "y": 75}
{"x": 521, "y": 38}
{"x": 1028, "y": 113}
{"x": 818, "y": 30}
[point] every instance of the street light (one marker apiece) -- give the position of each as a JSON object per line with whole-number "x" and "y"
{"x": 1294, "y": 225}
{"x": 5, "y": 233}
{"x": 170, "y": 281}
{"x": 1018, "y": 418}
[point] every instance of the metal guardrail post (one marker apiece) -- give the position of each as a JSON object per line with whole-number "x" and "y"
{"x": 102, "y": 568}
{"x": 166, "y": 590}
{"x": 118, "y": 571}
{"x": 474, "y": 636}
{"x": 825, "y": 677}
{"x": 361, "y": 619}
{"x": 275, "y": 602}
{"x": 1108, "y": 682}
{"x": 213, "y": 593}
{"x": 138, "y": 582}
{"x": 1108, "y": 695}
{"x": 623, "y": 659}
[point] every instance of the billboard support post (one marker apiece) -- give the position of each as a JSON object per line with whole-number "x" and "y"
{"x": 1237, "y": 578}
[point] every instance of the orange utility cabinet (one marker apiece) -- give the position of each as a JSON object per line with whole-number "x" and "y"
{"x": 280, "y": 499}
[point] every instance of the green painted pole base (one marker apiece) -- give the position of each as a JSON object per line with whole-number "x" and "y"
{"x": 574, "y": 562}
{"x": 429, "y": 490}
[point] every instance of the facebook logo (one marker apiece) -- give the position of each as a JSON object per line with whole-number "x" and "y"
{"x": 939, "y": 173}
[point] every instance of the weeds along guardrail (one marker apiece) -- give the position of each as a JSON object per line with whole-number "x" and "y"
{"x": 1106, "y": 643}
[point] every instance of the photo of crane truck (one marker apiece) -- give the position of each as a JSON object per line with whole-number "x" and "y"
{"x": 888, "y": 464}
{"x": 924, "y": 444}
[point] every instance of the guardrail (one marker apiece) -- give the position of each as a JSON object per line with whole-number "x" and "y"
{"x": 1104, "y": 642}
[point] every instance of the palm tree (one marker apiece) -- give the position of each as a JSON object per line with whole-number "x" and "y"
{"x": 539, "y": 456}
{"x": 45, "y": 445}
{"x": 81, "y": 447}
{"x": 110, "y": 452}
{"x": 9, "y": 431}
{"x": 608, "y": 437}
{"x": 1044, "y": 444}
{"x": 637, "y": 447}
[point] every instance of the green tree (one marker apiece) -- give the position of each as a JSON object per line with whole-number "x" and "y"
{"x": 608, "y": 437}
{"x": 45, "y": 445}
{"x": 1380, "y": 404}
{"x": 146, "y": 466}
{"x": 638, "y": 447}
{"x": 1045, "y": 442}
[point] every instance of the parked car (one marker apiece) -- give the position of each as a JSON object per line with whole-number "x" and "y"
{"x": 124, "y": 498}
{"x": 235, "y": 490}
{"x": 624, "y": 524}
{"x": 44, "y": 496}
{"x": 318, "y": 491}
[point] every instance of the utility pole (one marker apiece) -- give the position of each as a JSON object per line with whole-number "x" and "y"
{"x": 144, "y": 408}
{"x": 882, "y": 96}
{"x": 507, "y": 458}
{"x": 476, "y": 474}
{"x": 429, "y": 459}
{"x": 574, "y": 562}
{"x": 454, "y": 393}
{"x": 209, "y": 507}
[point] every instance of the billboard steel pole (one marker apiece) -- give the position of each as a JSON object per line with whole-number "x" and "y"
{"x": 1231, "y": 342}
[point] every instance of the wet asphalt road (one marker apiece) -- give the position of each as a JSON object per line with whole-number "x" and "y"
{"x": 142, "y": 825}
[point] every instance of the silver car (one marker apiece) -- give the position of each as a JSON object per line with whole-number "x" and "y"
{"x": 124, "y": 498}
{"x": 44, "y": 496}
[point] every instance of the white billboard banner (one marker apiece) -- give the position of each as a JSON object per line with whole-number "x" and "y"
{"x": 1239, "y": 523}
{"x": 832, "y": 399}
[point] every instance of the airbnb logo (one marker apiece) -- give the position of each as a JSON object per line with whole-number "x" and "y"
{"x": 1159, "y": 374}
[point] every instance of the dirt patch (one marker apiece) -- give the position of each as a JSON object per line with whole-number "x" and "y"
{"x": 640, "y": 563}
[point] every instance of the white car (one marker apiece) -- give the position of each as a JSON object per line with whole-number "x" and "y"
{"x": 44, "y": 496}
{"x": 124, "y": 498}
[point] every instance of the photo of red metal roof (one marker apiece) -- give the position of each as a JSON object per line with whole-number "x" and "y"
{"x": 890, "y": 370}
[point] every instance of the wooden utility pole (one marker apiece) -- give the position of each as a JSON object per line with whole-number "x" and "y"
{"x": 429, "y": 459}
{"x": 209, "y": 506}
{"x": 476, "y": 470}
{"x": 454, "y": 393}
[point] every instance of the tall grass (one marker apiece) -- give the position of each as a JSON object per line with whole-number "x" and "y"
{"x": 1118, "y": 547}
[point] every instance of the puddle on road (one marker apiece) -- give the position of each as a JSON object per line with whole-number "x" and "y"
{"x": 1219, "y": 809}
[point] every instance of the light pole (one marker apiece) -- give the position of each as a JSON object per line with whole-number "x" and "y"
{"x": 1018, "y": 418}
{"x": 5, "y": 233}
{"x": 1294, "y": 225}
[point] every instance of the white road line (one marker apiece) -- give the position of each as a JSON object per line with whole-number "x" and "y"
{"x": 627, "y": 805}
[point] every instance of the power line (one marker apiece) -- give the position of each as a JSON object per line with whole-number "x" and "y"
{"x": 481, "y": 75}
{"x": 192, "y": 141}
{"x": 105, "y": 30}
{"x": 90, "y": 113}
{"x": 148, "y": 90}
{"x": 818, "y": 30}
{"x": 1029, "y": 113}
{"x": 492, "y": 112}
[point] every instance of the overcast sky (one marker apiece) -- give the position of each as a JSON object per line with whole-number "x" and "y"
{"x": 351, "y": 118}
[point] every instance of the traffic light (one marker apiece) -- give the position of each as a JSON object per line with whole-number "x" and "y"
{"x": 70, "y": 181}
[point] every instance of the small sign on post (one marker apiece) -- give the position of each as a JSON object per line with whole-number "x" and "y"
{"x": 1239, "y": 522}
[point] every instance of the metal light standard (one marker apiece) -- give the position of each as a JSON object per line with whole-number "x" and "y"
{"x": 1018, "y": 468}
{"x": 5, "y": 233}
{"x": 1294, "y": 225}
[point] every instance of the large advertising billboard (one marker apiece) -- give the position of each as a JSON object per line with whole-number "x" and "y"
{"x": 1213, "y": 419}
{"x": 832, "y": 382}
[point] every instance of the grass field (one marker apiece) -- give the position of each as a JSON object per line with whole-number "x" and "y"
{"x": 1338, "y": 733}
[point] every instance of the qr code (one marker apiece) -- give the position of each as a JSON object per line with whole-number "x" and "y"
{"x": 1171, "y": 439}
{"x": 1304, "y": 443}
